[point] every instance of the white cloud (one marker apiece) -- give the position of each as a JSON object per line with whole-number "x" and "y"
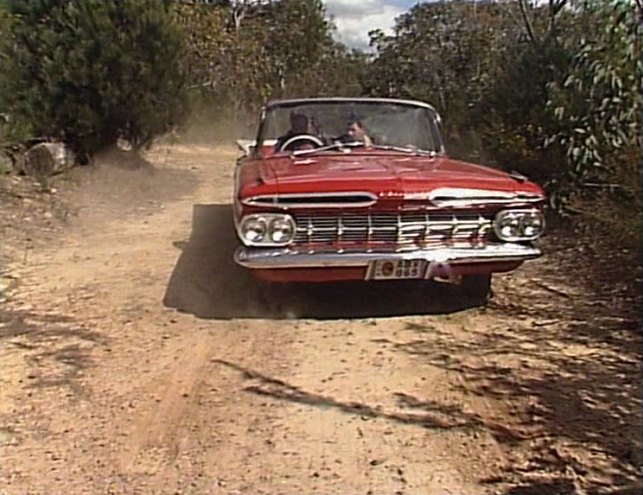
{"x": 354, "y": 19}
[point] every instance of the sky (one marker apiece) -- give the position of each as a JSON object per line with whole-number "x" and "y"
{"x": 355, "y": 18}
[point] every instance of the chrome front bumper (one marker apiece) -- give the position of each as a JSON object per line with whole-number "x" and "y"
{"x": 274, "y": 258}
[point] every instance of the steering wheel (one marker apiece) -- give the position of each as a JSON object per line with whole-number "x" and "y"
{"x": 346, "y": 139}
{"x": 301, "y": 137}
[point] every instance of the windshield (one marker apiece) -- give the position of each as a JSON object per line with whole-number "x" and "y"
{"x": 386, "y": 123}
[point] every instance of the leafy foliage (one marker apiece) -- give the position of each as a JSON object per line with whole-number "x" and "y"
{"x": 442, "y": 52}
{"x": 598, "y": 102}
{"x": 550, "y": 89}
{"x": 91, "y": 71}
{"x": 242, "y": 53}
{"x": 598, "y": 109}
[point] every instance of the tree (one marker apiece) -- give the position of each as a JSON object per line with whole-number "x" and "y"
{"x": 444, "y": 53}
{"x": 90, "y": 71}
{"x": 512, "y": 117}
{"x": 552, "y": 89}
{"x": 598, "y": 102}
{"x": 242, "y": 53}
{"x": 5, "y": 29}
{"x": 597, "y": 110}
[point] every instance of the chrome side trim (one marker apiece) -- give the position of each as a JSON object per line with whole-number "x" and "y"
{"x": 291, "y": 258}
{"x": 357, "y": 199}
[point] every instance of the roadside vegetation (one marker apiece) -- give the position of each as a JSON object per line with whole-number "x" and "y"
{"x": 552, "y": 90}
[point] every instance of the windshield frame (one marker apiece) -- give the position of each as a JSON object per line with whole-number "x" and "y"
{"x": 434, "y": 117}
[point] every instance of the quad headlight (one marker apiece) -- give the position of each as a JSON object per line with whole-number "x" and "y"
{"x": 267, "y": 229}
{"x": 281, "y": 230}
{"x": 519, "y": 225}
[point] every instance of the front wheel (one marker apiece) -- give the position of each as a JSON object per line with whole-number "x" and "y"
{"x": 477, "y": 288}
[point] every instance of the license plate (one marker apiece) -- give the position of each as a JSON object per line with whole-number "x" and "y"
{"x": 397, "y": 269}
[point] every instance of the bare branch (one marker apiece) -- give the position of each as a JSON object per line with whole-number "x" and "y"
{"x": 513, "y": 16}
{"x": 605, "y": 186}
{"x": 527, "y": 21}
{"x": 555, "y": 6}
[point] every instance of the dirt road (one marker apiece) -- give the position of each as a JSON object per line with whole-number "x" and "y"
{"x": 137, "y": 359}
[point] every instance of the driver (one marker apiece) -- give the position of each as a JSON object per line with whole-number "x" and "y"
{"x": 299, "y": 124}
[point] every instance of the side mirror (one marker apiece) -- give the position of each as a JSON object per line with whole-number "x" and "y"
{"x": 247, "y": 146}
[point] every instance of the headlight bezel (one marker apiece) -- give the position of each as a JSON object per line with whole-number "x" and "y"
{"x": 268, "y": 220}
{"x": 519, "y": 216}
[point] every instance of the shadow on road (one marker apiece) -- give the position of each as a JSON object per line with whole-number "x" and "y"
{"x": 549, "y": 471}
{"x": 437, "y": 416}
{"x": 569, "y": 383}
{"x": 207, "y": 283}
{"x": 56, "y": 348}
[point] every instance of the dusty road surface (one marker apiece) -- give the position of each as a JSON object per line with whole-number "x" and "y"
{"x": 137, "y": 359}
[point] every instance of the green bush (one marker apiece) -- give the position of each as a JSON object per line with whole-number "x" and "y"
{"x": 90, "y": 71}
{"x": 596, "y": 108}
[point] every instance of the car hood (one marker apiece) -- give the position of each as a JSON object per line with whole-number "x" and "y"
{"x": 388, "y": 175}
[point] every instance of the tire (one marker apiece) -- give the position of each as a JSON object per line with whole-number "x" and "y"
{"x": 477, "y": 288}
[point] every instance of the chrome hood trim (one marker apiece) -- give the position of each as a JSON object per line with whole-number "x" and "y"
{"x": 447, "y": 196}
{"x": 357, "y": 199}
{"x": 302, "y": 258}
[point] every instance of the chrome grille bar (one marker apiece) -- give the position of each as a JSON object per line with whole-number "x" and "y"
{"x": 403, "y": 230}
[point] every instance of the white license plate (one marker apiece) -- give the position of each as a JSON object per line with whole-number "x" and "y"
{"x": 397, "y": 269}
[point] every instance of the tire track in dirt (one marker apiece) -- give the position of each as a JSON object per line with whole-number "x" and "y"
{"x": 155, "y": 441}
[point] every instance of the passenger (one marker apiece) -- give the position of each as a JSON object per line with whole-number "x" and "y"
{"x": 358, "y": 133}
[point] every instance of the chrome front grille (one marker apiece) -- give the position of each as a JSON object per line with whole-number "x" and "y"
{"x": 398, "y": 231}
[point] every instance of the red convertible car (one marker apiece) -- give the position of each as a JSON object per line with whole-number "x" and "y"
{"x": 362, "y": 189}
